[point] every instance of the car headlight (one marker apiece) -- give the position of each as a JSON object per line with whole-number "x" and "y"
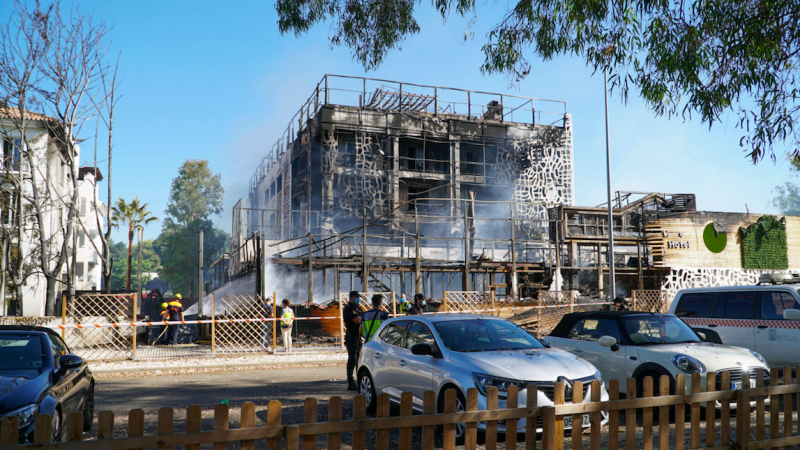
{"x": 759, "y": 357}
{"x": 484, "y": 382}
{"x": 688, "y": 364}
{"x": 26, "y": 414}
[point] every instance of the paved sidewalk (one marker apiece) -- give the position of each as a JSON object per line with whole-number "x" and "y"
{"x": 185, "y": 358}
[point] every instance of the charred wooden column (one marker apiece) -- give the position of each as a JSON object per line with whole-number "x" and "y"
{"x": 310, "y": 267}
{"x": 417, "y": 271}
{"x": 514, "y": 281}
{"x": 365, "y": 264}
{"x": 465, "y": 282}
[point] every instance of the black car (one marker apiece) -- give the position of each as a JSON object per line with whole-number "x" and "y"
{"x": 39, "y": 375}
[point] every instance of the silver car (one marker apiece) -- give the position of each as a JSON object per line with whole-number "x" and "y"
{"x": 439, "y": 352}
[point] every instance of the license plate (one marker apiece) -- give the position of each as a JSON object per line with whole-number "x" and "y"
{"x": 736, "y": 385}
{"x": 587, "y": 421}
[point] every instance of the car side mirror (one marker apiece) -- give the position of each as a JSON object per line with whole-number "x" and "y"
{"x": 70, "y": 362}
{"x": 608, "y": 341}
{"x": 791, "y": 314}
{"x": 422, "y": 349}
{"x": 702, "y": 336}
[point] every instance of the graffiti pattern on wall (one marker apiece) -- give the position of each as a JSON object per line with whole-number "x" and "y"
{"x": 685, "y": 278}
{"x": 360, "y": 184}
{"x": 540, "y": 169}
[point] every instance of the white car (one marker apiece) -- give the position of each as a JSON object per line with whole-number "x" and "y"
{"x": 631, "y": 344}
{"x": 461, "y": 351}
{"x": 752, "y": 317}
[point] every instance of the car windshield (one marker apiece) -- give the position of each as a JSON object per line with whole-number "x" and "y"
{"x": 652, "y": 330}
{"x": 20, "y": 352}
{"x": 480, "y": 335}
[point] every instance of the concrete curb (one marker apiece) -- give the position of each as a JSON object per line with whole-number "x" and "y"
{"x": 218, "y": 366}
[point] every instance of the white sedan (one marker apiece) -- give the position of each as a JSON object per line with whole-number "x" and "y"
{"x": 631, "y": 344}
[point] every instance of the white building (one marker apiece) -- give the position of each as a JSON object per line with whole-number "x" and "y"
{"x": 54, "y": 186}
{"x": 88, "y": 266}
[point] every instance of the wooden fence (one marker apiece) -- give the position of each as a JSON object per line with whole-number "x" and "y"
{"x": 646, "y": 421}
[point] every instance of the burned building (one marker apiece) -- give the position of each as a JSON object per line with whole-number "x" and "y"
{"x": 392, "y": 148}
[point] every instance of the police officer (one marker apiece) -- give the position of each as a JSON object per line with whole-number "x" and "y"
{"x": 372, "y": 319}
{"x": 287, "y": 320}
{"x": 418, "y": 307}
{"x": 352, "y": 337}
{"x": 404, "y": 303}
{"x": 175, "y": 313}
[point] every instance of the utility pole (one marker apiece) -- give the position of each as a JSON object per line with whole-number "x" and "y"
{"x": 200, "y": 277}
{"x": 611, "y": 280}
{"x": 139, "y": 284}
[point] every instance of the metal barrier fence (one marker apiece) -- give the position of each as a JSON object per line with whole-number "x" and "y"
{"x": 650, "y": 301}
{"x": 95, "y": 344}
{"x": 468, "y": 301}
{"x": 242, "y": 336}
{"x": 646, "y": 422}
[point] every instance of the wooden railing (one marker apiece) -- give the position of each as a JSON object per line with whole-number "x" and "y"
{"x": 641, "y": 426}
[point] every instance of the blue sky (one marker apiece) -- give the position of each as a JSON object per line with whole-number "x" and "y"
{"x": 217, "y": 81}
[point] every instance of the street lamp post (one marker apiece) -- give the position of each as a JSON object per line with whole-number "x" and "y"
{"x": 611, "y": 281}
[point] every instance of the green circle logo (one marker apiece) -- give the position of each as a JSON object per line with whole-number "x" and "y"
{"x": 714, "y": 242}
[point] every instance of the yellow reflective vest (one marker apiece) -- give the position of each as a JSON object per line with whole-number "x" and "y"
{"x": 287, "y": 318}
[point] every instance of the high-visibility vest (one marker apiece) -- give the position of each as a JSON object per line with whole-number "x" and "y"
{"x": 371, "y": 321}
{"x": 404, "y": 305}
{"x": 288, "y": 317}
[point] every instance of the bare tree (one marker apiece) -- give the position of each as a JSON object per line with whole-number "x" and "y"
{"x": 73, "y": 71}
{"x": 24, "y": 45}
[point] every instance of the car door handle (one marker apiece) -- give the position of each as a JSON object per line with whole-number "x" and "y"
{"x": 712, "y": 325}
{"x": 763, "y": 327}
{"x": 403, "y": 362}
{"x": 577, "y": 350}
{"x": 378, "y": 355}
{"x": 633, "y": 358}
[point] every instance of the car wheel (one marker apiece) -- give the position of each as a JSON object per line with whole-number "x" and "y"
{"x": 88, "y": 411}
{"x": 56, "y": 426}
{"x": 461, "y": 406}
{"x": 366, "y": 387}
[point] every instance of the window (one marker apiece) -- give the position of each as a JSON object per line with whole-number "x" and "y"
{"x": 11, "y": 154}
{"x": 82, "y": 202}
{"x": 59, "y": 349}
{"x": 419, "y": 333}
{"x": 737, "y": 305}
{"x": 648, "y": 330}
{"x": 592, "y": 330}
{"x": 20, "y": 352}
{"x": 393, "y": 334}
{"x": 481, "y": 335}
{"x": 81, "y": 238}
{"x": 79, "y": 269}
{"x": 773, "y": 304}
{"x": 695, "y": 304}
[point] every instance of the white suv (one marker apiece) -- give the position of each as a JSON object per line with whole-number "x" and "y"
{"x": 746, "y": 316}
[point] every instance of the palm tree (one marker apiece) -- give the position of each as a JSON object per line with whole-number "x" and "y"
{"x": 133, "y": 215}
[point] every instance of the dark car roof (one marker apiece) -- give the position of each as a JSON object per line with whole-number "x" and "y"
{"x": 28, "y": 329}
{"x": 568, "y": 321}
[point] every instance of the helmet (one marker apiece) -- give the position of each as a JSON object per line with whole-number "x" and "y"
{"x": 164, "y": 305}
{"x": 178, "y": 297}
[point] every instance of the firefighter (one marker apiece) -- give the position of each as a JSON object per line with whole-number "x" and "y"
{"x": 287, "y": 320}
{"x": 175, "y": 313}
{"x": 163, "y": 317}
{"x": 372, "y": 319}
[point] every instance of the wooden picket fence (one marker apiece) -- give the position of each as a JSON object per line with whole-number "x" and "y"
{"x": 639, "y": 429}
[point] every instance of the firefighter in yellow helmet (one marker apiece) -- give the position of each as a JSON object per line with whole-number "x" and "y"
{"x": 175, "y": 313}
